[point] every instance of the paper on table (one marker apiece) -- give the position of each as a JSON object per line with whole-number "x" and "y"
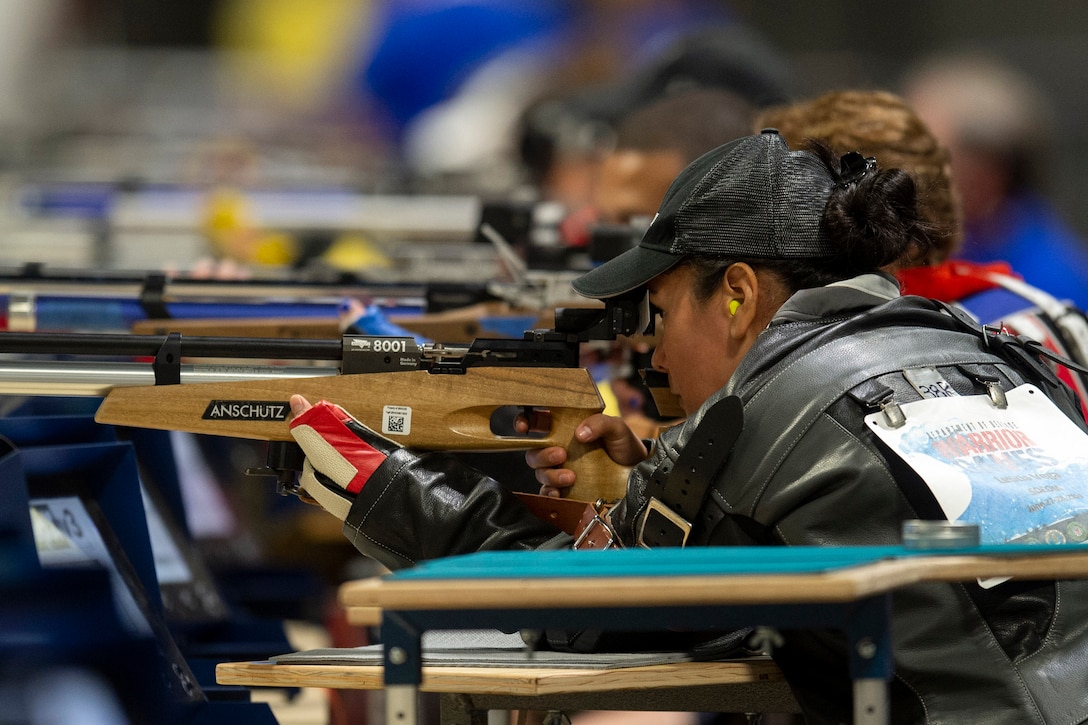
{"x": 481, "y": 648}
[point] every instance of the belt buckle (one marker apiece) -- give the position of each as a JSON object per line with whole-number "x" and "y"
{"x": 599, "y": 519}
{"x": 655, "y": 506}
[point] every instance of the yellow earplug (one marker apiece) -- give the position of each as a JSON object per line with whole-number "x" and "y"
{"x": 734, "y": 305}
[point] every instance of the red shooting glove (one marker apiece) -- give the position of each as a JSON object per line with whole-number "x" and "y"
{"x": 341, "y": 455}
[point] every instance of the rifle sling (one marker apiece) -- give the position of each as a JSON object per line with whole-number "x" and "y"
{"x": 585, "y": 521}
{"x": 563, "y": 513}
{"x": 675, "y": 493}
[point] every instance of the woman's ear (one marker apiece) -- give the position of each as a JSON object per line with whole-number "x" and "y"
{"x": 741, "y": 297}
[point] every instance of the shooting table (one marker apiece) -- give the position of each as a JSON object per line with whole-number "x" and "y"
{"x": 468, "y": 692}
{"x": 847, "y": 588}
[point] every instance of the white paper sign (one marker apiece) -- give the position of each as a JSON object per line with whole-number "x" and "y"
{"x": 1020, "y": 473}
{"x": 65, "y": 535}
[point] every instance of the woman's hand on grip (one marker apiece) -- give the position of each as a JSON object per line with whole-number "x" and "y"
{"x": 619, "y": 441}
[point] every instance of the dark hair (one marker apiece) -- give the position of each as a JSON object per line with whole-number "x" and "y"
{"x": 691, "y": 122}
{"x": 874, "y": 221}
{"x": 881, "y": 124}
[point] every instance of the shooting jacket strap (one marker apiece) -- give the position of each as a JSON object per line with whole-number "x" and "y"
{"x": 675, "y": 492}
{"x": 586, "y": 522}
{"x": 564, "y": 513}
{"x": 997, "y": 337}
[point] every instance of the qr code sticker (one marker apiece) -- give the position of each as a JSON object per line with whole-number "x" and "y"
{"x": 396, "y": 420}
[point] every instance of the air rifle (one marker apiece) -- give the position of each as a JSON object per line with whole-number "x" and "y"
{"x": 151, "y": 303}
{"x": 464, "y": 324}
{"x": 428, "y": 397}
{"x": 36, "y": 299}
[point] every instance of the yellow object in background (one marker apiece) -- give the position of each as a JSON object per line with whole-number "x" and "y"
{"x": 228, "y": 225}
{"x": 274, "y": 249}
{"x": 233, "y": 234}
{"x": 611, "y": 403}
{"x": 351, "y": 252}
{"x": 292, "y": 50}
{"x": 226, "y": 211}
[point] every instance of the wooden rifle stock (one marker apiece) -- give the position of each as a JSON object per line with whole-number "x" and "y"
{"x": 417, "y": 408}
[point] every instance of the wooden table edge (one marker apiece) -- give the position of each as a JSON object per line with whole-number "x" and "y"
{"x": 520, "y": 681}
{"x": 840, "y": 585}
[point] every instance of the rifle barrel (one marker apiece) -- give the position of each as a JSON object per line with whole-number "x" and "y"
{"x": 75, "y": 343}
{"x": 84, "y": 283}
{"x": 95, "y": 379}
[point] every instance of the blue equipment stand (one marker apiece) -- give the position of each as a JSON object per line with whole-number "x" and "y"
{"x": 88, "y": 496}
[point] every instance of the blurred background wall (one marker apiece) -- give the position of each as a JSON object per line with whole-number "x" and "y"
{"x": 857, "y": 43}
{"x": 343, "y": 93}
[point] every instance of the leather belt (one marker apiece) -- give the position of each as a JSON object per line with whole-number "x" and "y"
{"x": 563, "y": 513}
{"x": 594, "y": 529}
{"x": 586, "y": 522}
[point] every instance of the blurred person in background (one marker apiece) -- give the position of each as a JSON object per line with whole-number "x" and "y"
{"x": 451, "y": 111}
{"x": 998, "y": 128}
{"x": 656, "y": 141}
{"x": 563, "y": 135}
{"x": 652, "y": 143}
{"x": 565, "y": 139}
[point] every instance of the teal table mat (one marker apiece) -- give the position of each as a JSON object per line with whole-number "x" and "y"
{"x": 696, "y": 561}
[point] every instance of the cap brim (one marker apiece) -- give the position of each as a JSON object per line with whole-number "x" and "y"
{"x": 629, "y": 271}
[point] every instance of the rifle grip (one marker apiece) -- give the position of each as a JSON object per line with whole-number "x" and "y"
{"x": 596, "y": 475}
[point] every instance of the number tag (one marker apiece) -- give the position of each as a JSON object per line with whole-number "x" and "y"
{"x": 1020, "y": 473}
{"x": 929, "y": 383}
{"x": 65, "y": 535}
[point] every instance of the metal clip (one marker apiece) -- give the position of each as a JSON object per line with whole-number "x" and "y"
{"x": 990, "y": 334}
{"x": 663, "y": 514}
{"x": 893, "y": 414}
{"x": 997, "y": 395}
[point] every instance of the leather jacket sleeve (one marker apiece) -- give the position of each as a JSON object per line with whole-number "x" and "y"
{"x": 418, "y": 507}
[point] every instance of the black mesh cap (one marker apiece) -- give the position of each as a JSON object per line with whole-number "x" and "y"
{"x": 752, "y": 198}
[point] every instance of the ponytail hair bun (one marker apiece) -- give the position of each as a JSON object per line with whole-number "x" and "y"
{"x": 872, "y": 215}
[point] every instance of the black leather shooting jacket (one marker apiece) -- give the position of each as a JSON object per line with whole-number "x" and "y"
{"x": 807, "y": 471}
